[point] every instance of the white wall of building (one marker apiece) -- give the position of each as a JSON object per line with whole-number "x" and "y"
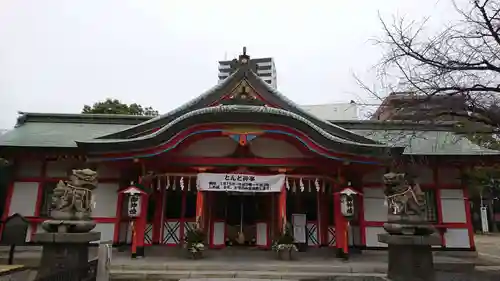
{"x": 25, "y": 193}
{"x": 453, "y": 211}
{"x": 333, "y": 111}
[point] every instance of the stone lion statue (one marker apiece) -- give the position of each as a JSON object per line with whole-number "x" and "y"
{"x": 72, "y": 202}
{"x": 404, "y": 196}
{"x": 406, "y": 205}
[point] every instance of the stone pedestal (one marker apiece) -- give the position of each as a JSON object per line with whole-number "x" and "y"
{"x": 410, "y": 256}
{"x": 64, "y": 250}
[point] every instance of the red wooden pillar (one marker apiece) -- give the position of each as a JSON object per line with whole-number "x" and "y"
{"x": 361, "y": 219}
{"x": 200, "y": 216}
{"x": 325, "y": 215}
{"x": 207, "y": 221}
{"x": 157, "y": 223}
{"x": 320, "y": 216}
{"x": 282, "y": 209}
{"x": 140, "y": 225}
{"x": 339, "y": 223}
{"x": 182, "y": 230}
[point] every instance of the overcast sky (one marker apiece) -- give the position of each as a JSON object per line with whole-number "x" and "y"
{"x": 57, "y": 55}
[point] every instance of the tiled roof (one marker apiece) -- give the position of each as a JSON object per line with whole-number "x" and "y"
{"x": 38, "y": 134}
{"x": 428, "y": 142}
{"x": 435, "y": 141}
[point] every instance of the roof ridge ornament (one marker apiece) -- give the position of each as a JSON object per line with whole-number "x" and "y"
{"x": 244, "y": 58}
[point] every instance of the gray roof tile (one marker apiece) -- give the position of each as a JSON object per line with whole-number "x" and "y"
{"x": 39, "y": 134}
{"x": 428, "y": 142}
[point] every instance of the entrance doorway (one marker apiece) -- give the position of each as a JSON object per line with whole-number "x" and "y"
{"x": 246, "y": 216}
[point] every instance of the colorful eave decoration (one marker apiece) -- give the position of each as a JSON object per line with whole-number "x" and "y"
{"x": 134, "y": 189}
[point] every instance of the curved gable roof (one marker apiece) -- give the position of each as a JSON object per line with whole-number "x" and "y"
{"x": 243, "y": 72}
{"x": 241, "y": 114}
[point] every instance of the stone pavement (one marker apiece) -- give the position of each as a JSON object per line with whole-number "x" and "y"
{"x": 488, "y": 248}
{"x": 229, "y": 264}
{"x": 161, "y": 262}
{"x": 229, "y": 279}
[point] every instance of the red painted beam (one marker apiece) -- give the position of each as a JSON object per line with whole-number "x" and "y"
{"x": 229, "y": 161}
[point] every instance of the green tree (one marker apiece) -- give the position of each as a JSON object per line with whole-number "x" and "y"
{"x": 114, "y": 106}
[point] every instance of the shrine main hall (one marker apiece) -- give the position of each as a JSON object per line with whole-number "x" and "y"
{"x": 239, "y": 158}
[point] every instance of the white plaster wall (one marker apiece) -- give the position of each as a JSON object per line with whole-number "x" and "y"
{"x": 106, "y": 198}
{"x": 271, "y": 148}
{"x": 375, "y": 176}
{"x": 453, "y": 205}
{"x": 107, "y": 231}
{"x": 373, "y": 200}
{"x": 449, "y": 175}
{"x": 211, "y": 147}
{"x": 29, "y": 168}
{"x": 23, "y": 199}
{"x": 372, "y": 236}
{"x": 457, "y": 238}
{"x": 107, "y": 171}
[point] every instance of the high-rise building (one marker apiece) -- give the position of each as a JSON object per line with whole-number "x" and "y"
{"x": 264, "y": 68}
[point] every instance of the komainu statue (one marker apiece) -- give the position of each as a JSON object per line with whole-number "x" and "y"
{"x": 71, "y": 205}
{"x": 406, "y": 206}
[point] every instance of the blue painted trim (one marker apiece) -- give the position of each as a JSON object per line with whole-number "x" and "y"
{"x": 251, "y": 137}
{"x": 266, "y": 131}
{"x": 236, "y": 138}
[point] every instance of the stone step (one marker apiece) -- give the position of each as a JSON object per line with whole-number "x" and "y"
{"x": 252, "y": 266}
{"x": 157, "y": 275}
{"x": 277, "y": 266}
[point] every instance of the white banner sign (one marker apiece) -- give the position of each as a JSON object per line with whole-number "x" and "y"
{"x": 240, "y": 182}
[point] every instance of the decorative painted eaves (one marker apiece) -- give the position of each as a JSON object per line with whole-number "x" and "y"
{"x": 243, "y": 114}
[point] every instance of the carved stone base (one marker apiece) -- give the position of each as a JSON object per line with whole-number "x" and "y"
{"x": 64, "y": 250}
{"x": 408, "y": 225}
{"x": 410, "y": 256}
{"x": 68, "y": 226}
{"x": 408, "y": 229}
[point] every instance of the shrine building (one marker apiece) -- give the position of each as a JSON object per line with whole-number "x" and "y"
{"x": 240, "y": 158}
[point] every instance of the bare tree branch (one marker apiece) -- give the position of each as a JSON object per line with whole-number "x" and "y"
{"x": 462, "y": 60}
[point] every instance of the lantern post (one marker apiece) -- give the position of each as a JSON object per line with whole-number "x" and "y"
{"x": 347, "y": 209}
{"x": 134, "y": 211}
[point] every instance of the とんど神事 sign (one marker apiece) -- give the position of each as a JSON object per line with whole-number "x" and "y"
{"x": 240, "y": 182}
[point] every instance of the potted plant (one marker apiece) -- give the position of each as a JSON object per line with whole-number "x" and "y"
{"x": 194, "y": 243}
{"x": 284, "y": 245}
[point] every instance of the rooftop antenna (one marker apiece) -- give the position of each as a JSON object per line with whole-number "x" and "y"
{"x": 225, "y": 55}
